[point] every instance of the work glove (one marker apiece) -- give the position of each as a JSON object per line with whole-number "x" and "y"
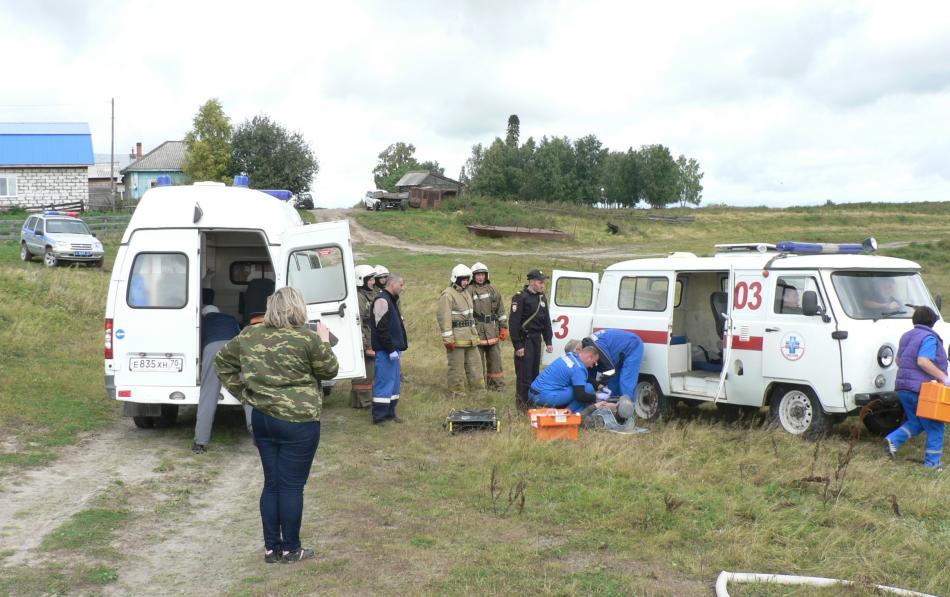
{"x": 503, "y": 334}
{"x": 450, "y": 346}
{"x": 603, "y": 395}
{"x": 394, "y": 355}
{"x": 946, "y": 381}
{"x": 606, "y": 391}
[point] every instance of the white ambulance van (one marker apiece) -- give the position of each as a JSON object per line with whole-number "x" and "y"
{"x": 811, "y": 330}
{"x": 234, "y": 246}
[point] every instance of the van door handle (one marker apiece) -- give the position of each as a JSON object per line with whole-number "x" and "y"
{"x": 338, "y": 312}
{"x": 772, "y": 329}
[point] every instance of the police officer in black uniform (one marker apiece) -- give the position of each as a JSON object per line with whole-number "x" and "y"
{"x": 529, "y": 322}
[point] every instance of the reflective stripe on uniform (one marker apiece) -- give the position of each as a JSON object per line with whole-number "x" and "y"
{"x": 380, "y": 400}
{"x": 933, "y": 451}
{"x": 448, "y": 333}
{"x": 483, "y": 296}
{"x": 498, "y": 375}
{"x": 395, "y": 397}
{"x": 465, "y": 312}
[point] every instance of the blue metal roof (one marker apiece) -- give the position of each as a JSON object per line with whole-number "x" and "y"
{"x": 45, "y": 144}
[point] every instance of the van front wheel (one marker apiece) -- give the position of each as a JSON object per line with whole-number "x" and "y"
{"x": 797, "y": 411}
{"x": 651, "y": 404}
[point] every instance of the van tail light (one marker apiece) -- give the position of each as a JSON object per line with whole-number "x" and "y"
{"x": 108, "y": 344}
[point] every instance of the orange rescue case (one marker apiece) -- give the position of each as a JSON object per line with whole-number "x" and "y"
{"x": 554, "y": 423}
{"x": 934, "y": 402}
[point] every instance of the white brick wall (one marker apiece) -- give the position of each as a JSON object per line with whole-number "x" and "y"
{"x": 37, "y": 187}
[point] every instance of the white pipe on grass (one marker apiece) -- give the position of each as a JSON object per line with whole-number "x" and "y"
{"x": 786, "y": 579}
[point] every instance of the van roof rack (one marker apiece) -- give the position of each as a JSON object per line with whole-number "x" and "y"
{"x": 747, "y": 247}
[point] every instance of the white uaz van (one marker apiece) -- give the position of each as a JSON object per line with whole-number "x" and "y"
{"x": 811, "y": 334}
{"x": 236, "y": 244}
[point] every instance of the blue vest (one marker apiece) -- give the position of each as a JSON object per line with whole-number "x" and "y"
{"x": 909, "y": 374}
{"x": 396, "y": 330}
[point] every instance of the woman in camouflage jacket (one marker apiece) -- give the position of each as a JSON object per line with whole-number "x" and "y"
{"x": 277, "y": 368}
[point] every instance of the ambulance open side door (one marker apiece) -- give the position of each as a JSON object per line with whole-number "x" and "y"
{"x": 573, "y": 296}
{"x": 317, "y": 259}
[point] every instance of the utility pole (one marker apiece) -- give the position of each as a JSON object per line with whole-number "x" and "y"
{"x": 112, "y": 159}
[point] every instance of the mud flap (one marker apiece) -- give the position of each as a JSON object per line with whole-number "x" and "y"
{"x": 135, "y": 409}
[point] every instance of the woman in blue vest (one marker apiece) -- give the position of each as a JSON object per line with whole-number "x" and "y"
{"x": 921, "y": 358}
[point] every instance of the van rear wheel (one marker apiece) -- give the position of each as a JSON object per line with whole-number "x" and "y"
{"x": 169, "y": 416}
{"x": 25, "y": 254}
{"x": 144, "y": 422}
{"x": 649, "y": 402}
{"x": 796, "y": 410}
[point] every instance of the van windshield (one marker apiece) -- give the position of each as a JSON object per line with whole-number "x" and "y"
{"x": 880, "y": 295}
{"x": 66, "y": 227}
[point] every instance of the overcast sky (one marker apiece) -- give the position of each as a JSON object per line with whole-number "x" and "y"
{"x": 782, "y": 103}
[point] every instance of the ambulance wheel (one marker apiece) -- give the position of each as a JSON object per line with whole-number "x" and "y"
{"x": 169, "y": 416}
{"x": 650, "y": 403}
{"x": 881, "y": 419}
{"x": 49, "y": 259}
{"x": 144, "y": 422}
{"x": 796, "y": 410}
{"x": 25, "y": 254}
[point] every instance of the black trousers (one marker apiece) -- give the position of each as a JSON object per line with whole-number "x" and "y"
{"x": 526, "y": 369}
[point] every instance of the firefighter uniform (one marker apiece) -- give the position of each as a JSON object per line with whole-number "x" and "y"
{"x": 361, "y": 394}
{"x": 530, "y": 323}
{"x": 459, "y": 334}
{"x": 490, "y": 320}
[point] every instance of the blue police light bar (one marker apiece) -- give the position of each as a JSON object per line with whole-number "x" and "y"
{"x": 51, "y": 212}
{"x": 868, "y": 246}
{"x": 163, "y": 181}
{"x": 280, "y": 194}
{"x": 241, "y": 180}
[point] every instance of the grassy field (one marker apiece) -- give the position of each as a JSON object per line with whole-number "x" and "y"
{"x": 410, "y": 510}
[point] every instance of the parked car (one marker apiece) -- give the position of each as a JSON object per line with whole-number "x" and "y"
{"x": 59, "y": 237}
{"x": 377, "y": 200}
{"x": 303, "y": 201}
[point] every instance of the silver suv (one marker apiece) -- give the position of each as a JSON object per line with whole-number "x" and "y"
{"x": 59, "y": 237}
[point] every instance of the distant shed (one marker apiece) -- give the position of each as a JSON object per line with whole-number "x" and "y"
{"x": 427, "y": 189}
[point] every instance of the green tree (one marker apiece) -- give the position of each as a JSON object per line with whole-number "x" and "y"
{"x": 514, "y": 131}
{"x": 690, "y": 177}
{"x": 397, "y": 160}
{"x": 208, "y": 144}
{"x": 589, "y": 157}
{"x": 660, "y": 176}
{"x": 272, "y": 157}
{"x": 622, "y": 178}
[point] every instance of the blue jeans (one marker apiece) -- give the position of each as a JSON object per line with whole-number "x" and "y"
{"x": 914, "y": 426}
{"x": 287, "y": 450}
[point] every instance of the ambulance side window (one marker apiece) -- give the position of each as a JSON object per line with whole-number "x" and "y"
{"x": 158, "y": 281}
{"x": 643, "y": 293}
{"x": 574, "y": 292}
{"x": 789, "y": 291}
{"x": 318, "y": 274}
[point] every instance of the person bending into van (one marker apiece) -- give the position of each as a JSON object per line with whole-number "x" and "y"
{"x": 277, "y": 367}
{"x": 564, "y": 383}
{"x": 389, "y": 341}
{"x": 920, "y": 358}
{"x": 621, "y": 351}
{"x": 216, "y": 329}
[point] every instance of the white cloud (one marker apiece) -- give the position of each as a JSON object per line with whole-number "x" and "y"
{"x": 782, "y": 103}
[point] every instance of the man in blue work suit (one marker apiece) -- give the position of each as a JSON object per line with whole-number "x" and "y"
{"x": 621, "y": 351}
{"x": 389, "y": 341}
{"x": 564, "y": 383}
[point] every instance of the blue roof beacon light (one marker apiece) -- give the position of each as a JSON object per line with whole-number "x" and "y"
{"x": 241, "y": 180}
{"x": 280, "y": 194}
{"x": 163, "y": 181}
{"x": 869, "y": 245}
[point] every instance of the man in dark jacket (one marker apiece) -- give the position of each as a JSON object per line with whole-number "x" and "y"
{"x": 389, "y": 340}
{"x": 529, "y": 322}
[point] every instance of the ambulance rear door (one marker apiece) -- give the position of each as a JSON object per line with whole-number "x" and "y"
{"x": 317, "y": 259}
{"x": 156, "y": 312}
{"x": 572, "y": 299}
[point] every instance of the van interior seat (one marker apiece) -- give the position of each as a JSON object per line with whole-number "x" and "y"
{"x": 255, "y": 297}
{"x": 719, "y": 302}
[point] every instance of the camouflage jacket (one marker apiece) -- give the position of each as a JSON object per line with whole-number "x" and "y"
{"x": 282, "y": 369}
{"x": 365, "y": 298}
{"x": 454, "y": 314}
{"x": 489, "y": 312}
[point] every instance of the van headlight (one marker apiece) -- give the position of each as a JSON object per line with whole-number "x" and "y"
{"x": 885, "y": 356}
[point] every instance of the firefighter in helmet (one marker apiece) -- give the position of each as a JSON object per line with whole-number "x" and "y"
{"x": 381, "y": 276}
{"x": 491, "y": 321}
{"x": 459, "y": 334}
{"x": 361, "y": 394}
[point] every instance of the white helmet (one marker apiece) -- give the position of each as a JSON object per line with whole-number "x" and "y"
{"x": 381, "y": 272}
{"x": 460, "y": 271}
{"x": 362, "y": 272}
{"x": 480, "y": 268}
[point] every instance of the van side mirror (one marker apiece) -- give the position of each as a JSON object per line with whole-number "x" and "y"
{"x": 810, "y": 303}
